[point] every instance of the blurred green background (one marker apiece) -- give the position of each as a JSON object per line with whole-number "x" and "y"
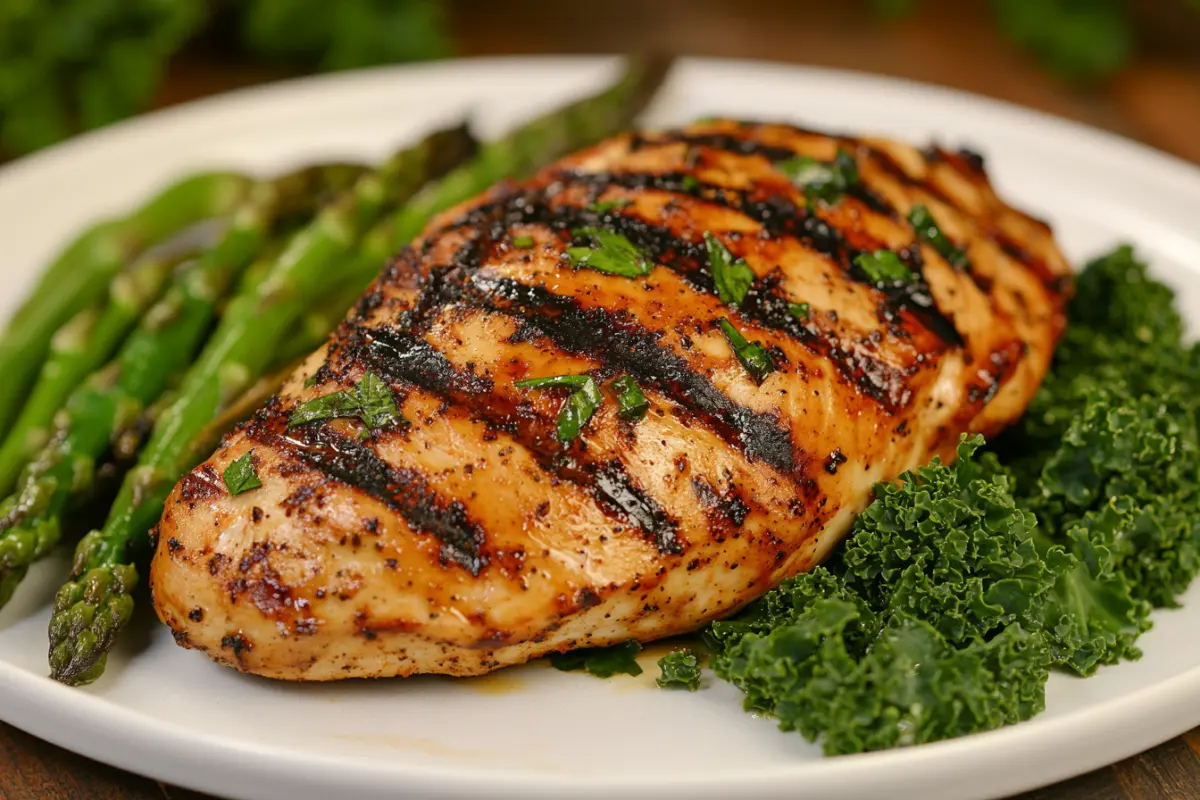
{"x": 73, "y": 65}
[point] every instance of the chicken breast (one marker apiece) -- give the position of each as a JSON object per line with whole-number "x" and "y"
{"x": 495, "y": 521}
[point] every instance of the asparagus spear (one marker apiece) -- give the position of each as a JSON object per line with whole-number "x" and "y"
{"x": 81, "y": 346}
{"x": 90, "y": 611}
{"x": 80, "y": 275}
{"x": 168, "y": 335}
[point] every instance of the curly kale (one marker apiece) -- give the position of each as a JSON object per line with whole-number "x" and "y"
{"x": 679, "y": 668}
{"x": 925, "y": 627}
{"x": 961, "y": 586}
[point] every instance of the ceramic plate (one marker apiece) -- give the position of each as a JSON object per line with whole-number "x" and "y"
{"x": 532, "y": 732}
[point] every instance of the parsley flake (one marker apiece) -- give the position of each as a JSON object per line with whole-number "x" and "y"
{"x": 732, "y": 277}
{"x": 632, "y": 404}
{"x": 610, "y": 205}
{"x": 884, "y": 266}
{"x": 240, "y": 475}
{"x": 522, "y": 242}
{"x": 801, "y": 311}
{"x": 754, "y": 356}
{"x": 612, "y": 254}
{"x": 579, "y": 406}
{"x": 928, "y": 231}
{"x": 372, "y": 401}
{"x": 821, "y": 180}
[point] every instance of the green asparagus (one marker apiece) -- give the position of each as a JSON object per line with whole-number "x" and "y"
{"x": 90, "y": 611}
{"x": 168, "y": 335}
{"x": 78, "y": 348}
{"x": 80, "y": 275}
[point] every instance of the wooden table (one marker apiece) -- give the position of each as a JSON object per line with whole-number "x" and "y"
{"x": 945, "y": 41}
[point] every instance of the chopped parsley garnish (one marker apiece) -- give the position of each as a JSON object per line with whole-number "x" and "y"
{"x": 801, "y": 311}
{"x": 884, "y": 266}
{"x": 603, "y": 662}
{"x": 573, "y": 381}
{"x": 372, "y": 401}
{"x": 689, "y": 183}
{"x": 679, "y": 668}
{"x": 632, "y": 404}
{"x": 610, "y": 205}
{"x": 754, "y": 356}
{"x": 612, "y": 253}
{"x": 821, "y": 180}
{"x": 240, "y": 475}
{"x": 929, "y": 232}
{"x": 579, "y": 406}
{"x": 522, "y": 242}
{"x": 732, "y": 277}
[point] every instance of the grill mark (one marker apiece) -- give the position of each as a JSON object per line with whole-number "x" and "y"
{"x": 402, "y": 358}
{"x": 619, "y": 341}
{"x": 404, "y": 490}
{"x": 765, "y": 306}
{"x": 690, "y": 259}
{"x": 615, "y": 485}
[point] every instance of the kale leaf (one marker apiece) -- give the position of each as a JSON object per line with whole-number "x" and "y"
{"x": 679, "y": 668}
{"x": 961, "y": 586}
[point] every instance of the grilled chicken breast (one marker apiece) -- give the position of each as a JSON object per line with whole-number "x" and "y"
{"x": 474, "y": 533}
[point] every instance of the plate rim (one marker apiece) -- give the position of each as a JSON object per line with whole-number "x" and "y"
{"x": 85, "y": 722}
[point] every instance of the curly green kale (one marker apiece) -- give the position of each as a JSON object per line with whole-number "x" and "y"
{"x": 961, "y": 586}
{"x": 679, "y": 668}
{"x": 914, "y": 633}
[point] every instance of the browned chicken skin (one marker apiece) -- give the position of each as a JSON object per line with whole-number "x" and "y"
{"x": 471, "y": 538}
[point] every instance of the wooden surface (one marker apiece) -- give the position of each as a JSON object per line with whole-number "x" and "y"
{"x": 950, "y": 42}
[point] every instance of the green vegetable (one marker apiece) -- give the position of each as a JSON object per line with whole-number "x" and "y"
{"x": 928, "y": 231}
{"x": 962, "y": 586}
{"x": 603, "y": 662}
{"x": 732, "y": 277}
{"x": 632, "y": 404}
{"x": 884, "y": 266}
{"x": 679, "y": 668}
{"x": 801, "y": 311}
{"x": 925, "y": 628}
{"x": 753, "y": 356}
{"x": 522, "y": 242}
{"x": 572, "y": 381}
{"x": 372, "y": 401}
{"x": 611, "y": 253}
{"x": 610, "y": 205}
{"x": 83, "y": 272}
{"x": 579, "y": 406}
{"x": 820, "y": 180}
{"x": 346, "y": 34}
{"x": 240, "y": 475}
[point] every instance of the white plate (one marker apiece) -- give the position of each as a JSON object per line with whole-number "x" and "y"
{"x": 533, "y": 732}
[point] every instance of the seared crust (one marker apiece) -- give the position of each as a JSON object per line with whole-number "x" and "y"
{"x": 470, "y": 538}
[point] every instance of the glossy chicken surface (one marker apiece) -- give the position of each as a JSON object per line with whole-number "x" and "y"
{"x": 469, "y": 536}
